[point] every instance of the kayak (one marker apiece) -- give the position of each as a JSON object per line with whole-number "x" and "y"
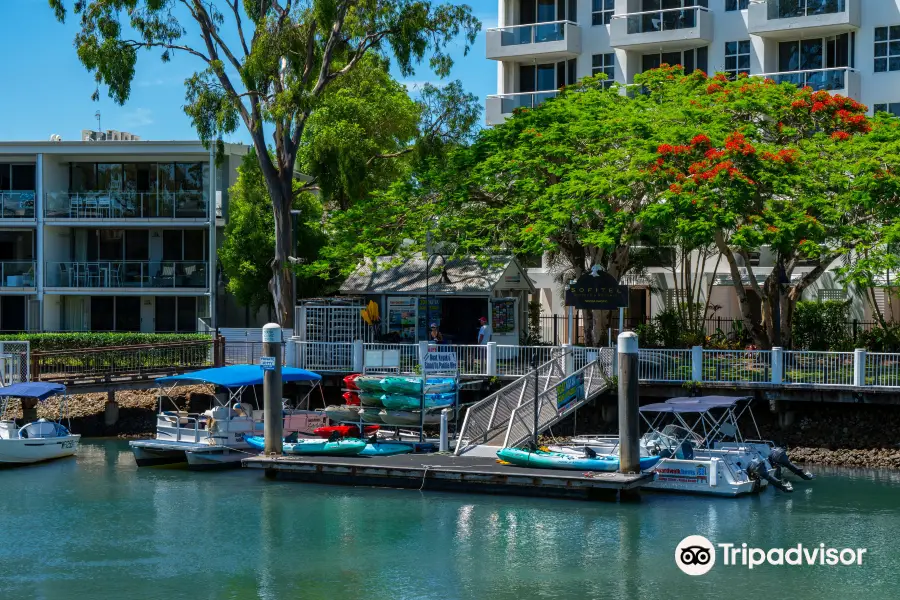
{"x": 344, "y": 430}
{"x": 314, "y": 446}
{"x": 386, "y": 449}
{"x": 413, "y": 385}
{"x": 350, "y": 382}
{"x": 404, "y": 402}
{"x": 351, "y": 398}
{"x": 369, "y": 383}
{"x": 342, "y": 414}
{"x": 369, "y": 414}
{"x": 370, "y": 399}
{"x": 559, "y": 460}
{"x": 409, "y": 417}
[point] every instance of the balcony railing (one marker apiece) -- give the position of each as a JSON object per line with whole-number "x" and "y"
{"x": 788, "y": 9}
{"x": 510, "y": 102}
{"x": 662, "y": 20}
{"x": 17, "y": 273}
{"x": 17, "y": 205}
{"x": 126, "y": 205}
{"x": 127, "y": 274}
{"x": 533, "y": 33}
{"x": 818, "y": 79}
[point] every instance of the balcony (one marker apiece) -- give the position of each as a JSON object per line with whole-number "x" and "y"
{"x": 501, "y": 106}
{"x": 841, "y": 80}
{"x": 17, "y": 274}
{"x": 548, "y": 41}
{"x": 116, "y": 206}
{"x": 662, "y": 30}
{"x": 790, "y": 19}
{"x": 127, "y": 274}
{"x": 17, "y": 205}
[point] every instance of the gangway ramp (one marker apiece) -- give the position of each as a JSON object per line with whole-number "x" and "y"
{"x": 506, "y": 417}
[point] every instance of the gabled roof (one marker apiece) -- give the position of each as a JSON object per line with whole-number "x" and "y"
{"x": 467, "y": 275}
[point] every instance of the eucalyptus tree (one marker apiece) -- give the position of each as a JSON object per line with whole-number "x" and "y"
{"x": 266, "y": 66}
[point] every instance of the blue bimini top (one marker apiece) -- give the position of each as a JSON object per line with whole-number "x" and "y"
{"x": 33, "y": 389}
{"x": 238, "y": 376}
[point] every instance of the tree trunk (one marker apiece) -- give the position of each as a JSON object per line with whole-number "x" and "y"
{"x": 280, "y": 286}
{"x": 759, "y": 335}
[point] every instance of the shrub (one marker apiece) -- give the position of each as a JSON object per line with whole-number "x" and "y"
{"x": 879, "y": 339}
{"x": 46, "y": 342}
{"x": 821, "y": 326}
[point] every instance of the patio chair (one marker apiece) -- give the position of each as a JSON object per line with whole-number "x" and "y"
{"x": 90, "y": 205}
{"x": 76, "y": 205}
{"x": 104, "y": 206}
{"x": 65, "y": 275}
{"x": 165, "y": 277}
{"x": 92, "y": 274}
{"x": 115, "y": 274}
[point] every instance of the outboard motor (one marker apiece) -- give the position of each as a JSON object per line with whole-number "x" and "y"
{"x": 779, "y": 458}
{"x": 757, "y": 470}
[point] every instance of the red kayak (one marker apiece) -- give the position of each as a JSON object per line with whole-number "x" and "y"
{"x": 351, "y": 398}
{"x": 350, "y": 382}
{"x": 344, "y": 430}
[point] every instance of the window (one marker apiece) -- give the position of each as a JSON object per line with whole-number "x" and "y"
{"x": 606, "y": 64}
{"x": 893, "y": 108}
{"x": 832, "y": 294}
{"x": 176, "y": 313}
{"x": 737, "y": 4}
{"x": 689, "y": 59}
{"x": 819, "y": 53}
{"x": 737, "y": 58}
{"x": 887, "y": 49}
{"x": 602, "y": 12}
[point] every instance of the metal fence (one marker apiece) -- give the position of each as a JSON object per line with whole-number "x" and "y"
{"x": 743, "y": 366}
{"x": 665, "y": 365}
{"x": 121, "y": 362}
{"x": 819, "y": 368}
{"x": 15, "y": 362}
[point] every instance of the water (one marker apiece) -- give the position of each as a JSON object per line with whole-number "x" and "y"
{"x": 97, "y": 527}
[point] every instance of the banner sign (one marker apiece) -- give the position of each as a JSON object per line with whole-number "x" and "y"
{"x": 569, "y": 391}
{"x": 597, "y": 291}
{"x": 439, "y": 362}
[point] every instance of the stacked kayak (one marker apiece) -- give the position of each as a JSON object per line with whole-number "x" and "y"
{"x": 369, "y": 383}
{"x": 558, "y": 460}
{"x": 413, "y": 385}
{"x": 342, "y": 414}
{"x": 344, "y": 430}
{"x": 409, "y": 417}
{"x": 371, "y": 399}
{"x": 404, "y": 402}
{"x": 314, "y": 446}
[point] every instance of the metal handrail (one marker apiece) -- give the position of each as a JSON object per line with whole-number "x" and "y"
{"x": 522, "y": 25}
{"x": 804, "y": 71}
{"x": 662, "y": 10}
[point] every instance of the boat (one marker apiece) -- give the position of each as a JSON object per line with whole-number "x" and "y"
{"x": 369, "y": 383}
{"x": 334, "y": 446}
{"x": 344, "y": 430}
{"x": 370, "y": 399}
{"x": 39, "y": 440}
{"x": 404, "y": 402}
{"x": 411, "y": 417}
{"x": 700, "y": 446}
{"x": 342, "y": 414}
{"x": 369, "y": 414}
{"x": 376, "y": 447}
{"x": 395, "y": 384}
{"x": 216, "y": 438}
{"x": 589, "y": 461}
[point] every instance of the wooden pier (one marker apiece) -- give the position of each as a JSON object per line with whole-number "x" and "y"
{"x": 440, "y": 472}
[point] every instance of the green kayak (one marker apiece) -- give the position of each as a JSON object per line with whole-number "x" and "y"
{"x": 404, "y": 402}
{"x": 315, "y": 446}
{"x": 394, "y": 384}
{"x": 370, "y": 399}
{"x": 369, "y": 383}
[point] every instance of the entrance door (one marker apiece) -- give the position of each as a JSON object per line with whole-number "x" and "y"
{"x": 12, "y": 313}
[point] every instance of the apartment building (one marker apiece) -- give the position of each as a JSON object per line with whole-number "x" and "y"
{"x": 849, "y": 47}
{"x": 111, "y": 233}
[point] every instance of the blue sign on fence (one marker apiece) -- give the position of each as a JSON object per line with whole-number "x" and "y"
{"x": 267, "y": 363}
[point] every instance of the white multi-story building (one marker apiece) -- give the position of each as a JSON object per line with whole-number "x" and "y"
{"x": 850, "y": 47}
{"x": 111, "y": 234}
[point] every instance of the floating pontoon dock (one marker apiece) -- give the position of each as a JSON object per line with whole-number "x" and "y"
{"x": 440, "y": 472}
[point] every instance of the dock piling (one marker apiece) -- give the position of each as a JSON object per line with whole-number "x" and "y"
{"x": 272, "y": 390}
{"x": 629, "y": 426}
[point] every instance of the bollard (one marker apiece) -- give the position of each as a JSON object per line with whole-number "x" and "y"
{"x": 272, "y": 391}
{"x": 444, "y": 445}
{"x": 629, "y": 426}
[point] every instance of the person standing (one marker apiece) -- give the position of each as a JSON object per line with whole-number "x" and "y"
{"x": 485, "y": 333}
{"x": 435, "y": 336}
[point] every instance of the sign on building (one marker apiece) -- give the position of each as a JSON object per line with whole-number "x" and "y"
{"x": 597, "y": 291}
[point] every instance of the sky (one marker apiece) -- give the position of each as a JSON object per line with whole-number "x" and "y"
{"x": 47, "y": 91}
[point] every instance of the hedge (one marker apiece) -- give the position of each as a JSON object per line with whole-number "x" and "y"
{"x": 44, "y": 342}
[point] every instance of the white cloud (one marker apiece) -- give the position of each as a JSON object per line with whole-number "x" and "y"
{"x": 139, "y": 117}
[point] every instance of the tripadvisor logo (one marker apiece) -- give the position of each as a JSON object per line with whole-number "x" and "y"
{"x": 696, "y": 555}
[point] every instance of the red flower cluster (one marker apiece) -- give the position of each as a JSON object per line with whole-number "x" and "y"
{"x": 675, "y": 188}
{"x": 701, "y": 139}
{"x": 736, "y": 142}
{"x": 818, "y": 106}
{"x": 665, "y": 149}
{"x": 713, "y": 88}
{"x": 772, "y": 229}
{"x": 799, "y": 104}
{"x": 840, "y": 136}
{"x": 720, "y": 77}
{"x": 713, "y": 154}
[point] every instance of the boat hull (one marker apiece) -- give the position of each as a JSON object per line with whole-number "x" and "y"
{"x": 217, "y": 458}
{"x": 33, "y": 450}
{"x": 386, "y": 449}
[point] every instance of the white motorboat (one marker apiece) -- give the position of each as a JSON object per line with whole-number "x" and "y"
{"x": 215, "y": 438}
{"x": 702, "y": 448}
{"x": 39, "y": 440}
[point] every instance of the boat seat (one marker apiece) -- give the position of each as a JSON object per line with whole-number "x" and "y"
{"x": 179, "y": 417}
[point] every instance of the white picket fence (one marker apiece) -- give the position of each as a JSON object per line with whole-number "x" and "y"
{"x": 744, "y": 367}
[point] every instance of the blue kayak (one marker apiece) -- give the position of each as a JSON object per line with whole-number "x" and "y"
{"x": 386, "y": 449}
{"x": 314, "y": 446}
{"x": 558, "y": 460}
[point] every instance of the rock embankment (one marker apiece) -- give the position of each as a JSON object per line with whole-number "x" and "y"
{"x": 137, "y": 410}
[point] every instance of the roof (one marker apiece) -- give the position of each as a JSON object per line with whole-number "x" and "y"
{"x": 33, "y": 389}
{"x": 466, "y": 275}
{"x": 725, "y": 401}
{"x": 238, "y": 376}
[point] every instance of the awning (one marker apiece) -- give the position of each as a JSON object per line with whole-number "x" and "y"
{"x": 691, "y": 405}
{"x": 710, "y": 401}
{"x": 238, "y": 376}
{"x": 34, "y": 389}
